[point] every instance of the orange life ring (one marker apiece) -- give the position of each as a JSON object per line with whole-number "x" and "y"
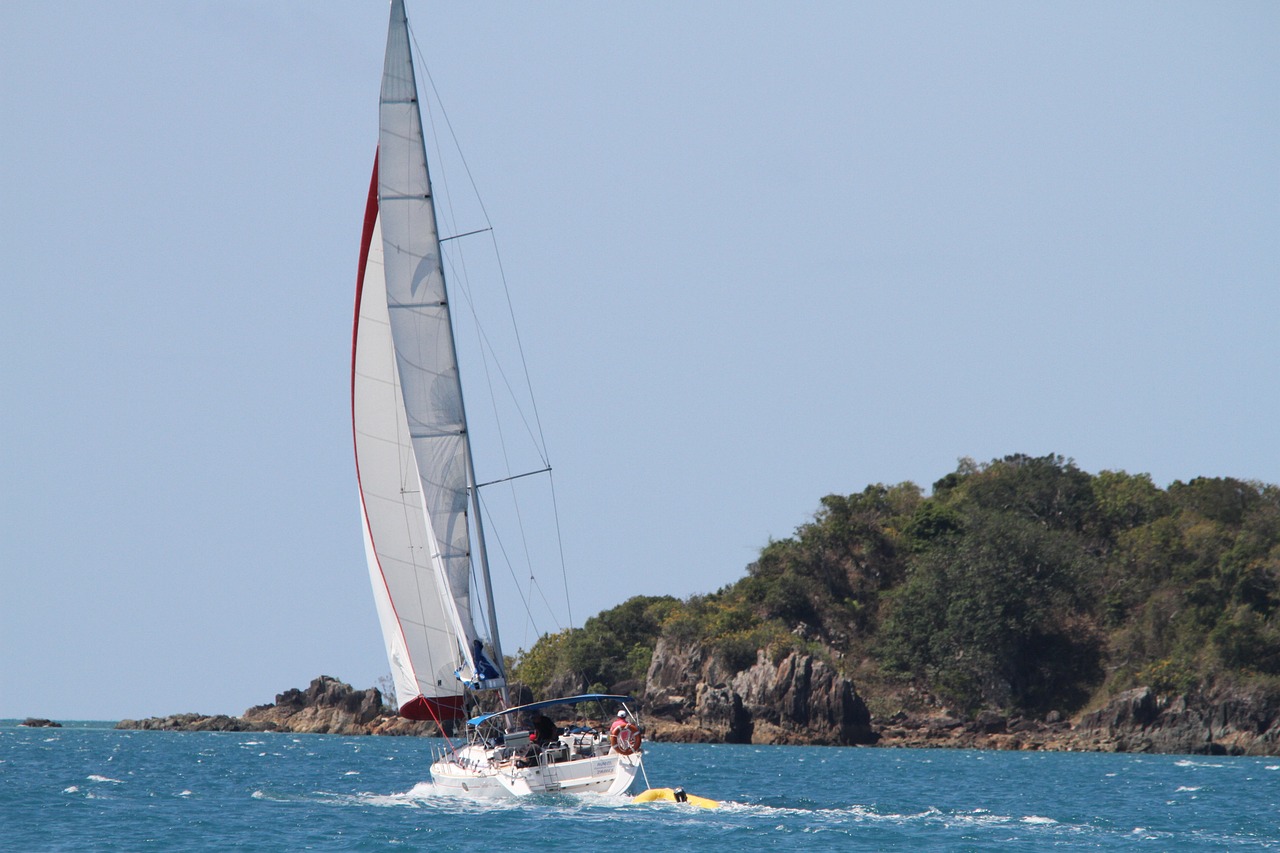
{"x": 625, "y": 739}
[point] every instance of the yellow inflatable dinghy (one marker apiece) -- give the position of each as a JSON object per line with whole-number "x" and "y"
{"x": 673, "y": 795}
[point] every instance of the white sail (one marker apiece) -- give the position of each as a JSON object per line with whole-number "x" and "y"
{"x": 412, "y": 453}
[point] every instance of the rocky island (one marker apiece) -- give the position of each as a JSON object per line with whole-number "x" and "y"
{"x": 40, "y": 723}
{"x": 1024, "y": 604}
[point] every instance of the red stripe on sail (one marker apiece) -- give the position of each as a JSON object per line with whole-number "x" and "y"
{"x": 440, "y": 709}
{"x": 366, "y": 238}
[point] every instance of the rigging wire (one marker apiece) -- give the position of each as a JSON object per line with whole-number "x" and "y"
{"x": 534, "y": 429}
{"x": 502, "y": 275}
{"x": 533, "y": 582}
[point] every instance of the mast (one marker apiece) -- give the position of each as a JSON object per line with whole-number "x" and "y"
{"x": 490, "y": 612}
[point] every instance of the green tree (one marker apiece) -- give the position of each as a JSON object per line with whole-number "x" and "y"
{"x": 998, "y": 616}
{"x": 1048, "y": 489}
{"x": 612, "y": 647}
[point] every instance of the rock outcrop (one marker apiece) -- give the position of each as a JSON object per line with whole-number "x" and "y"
{"x": 328, "y": 706}
{"x": 195, "y": 723}
{"x": 40, "y": 723}
{"x": 692, "y": 695}
{"x": 1219, "y": 721}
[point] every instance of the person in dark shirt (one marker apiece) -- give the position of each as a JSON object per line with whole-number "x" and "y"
{"x": 544, "y": 731}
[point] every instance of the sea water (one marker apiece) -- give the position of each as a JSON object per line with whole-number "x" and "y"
{"x": 89, "y": 787}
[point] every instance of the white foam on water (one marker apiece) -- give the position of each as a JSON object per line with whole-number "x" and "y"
{"x": 96, "y": 778}
{"x": 427, "y": 795}
{"x": 1186, "y": 788}
{"x": 422, "y": 789}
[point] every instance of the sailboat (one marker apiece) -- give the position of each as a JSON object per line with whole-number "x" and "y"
{"x": 423, "y": 534}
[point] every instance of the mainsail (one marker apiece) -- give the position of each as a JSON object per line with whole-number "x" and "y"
{"x": 413, "y": 458}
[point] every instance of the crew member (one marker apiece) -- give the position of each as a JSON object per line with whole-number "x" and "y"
{"x": 624, "y": 735}
{"x": 544, "y": 732}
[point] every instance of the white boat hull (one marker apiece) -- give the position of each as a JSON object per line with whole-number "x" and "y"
{"x": 473, "y": 773}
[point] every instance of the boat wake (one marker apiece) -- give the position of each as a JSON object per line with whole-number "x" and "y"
{"x": 599, "y": 816}
{"x": 813, "y": 819}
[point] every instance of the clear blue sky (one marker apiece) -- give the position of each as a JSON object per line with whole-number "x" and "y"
{"x": 760, "y": 252}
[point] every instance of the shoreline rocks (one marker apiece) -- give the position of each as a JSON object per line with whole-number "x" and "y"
{"x": 691, "y": 697}
{"x": 327, "y": 706}
{"x": 1222, "y": 721}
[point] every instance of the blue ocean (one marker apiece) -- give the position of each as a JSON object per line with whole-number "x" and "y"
{"x": 89, "y": 787}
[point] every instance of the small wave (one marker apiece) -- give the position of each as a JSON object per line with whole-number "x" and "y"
{"x": 1186, "y": 789}
{"x": 74, "y": 789}
{"x": 977, "y": 817}
{"x": 96, "y": 778}
{"x": 184, "y": 793}
{"x": 1037, "y": 819}
{"x": 422, "y": 789}
{"x": 352, "y": 773}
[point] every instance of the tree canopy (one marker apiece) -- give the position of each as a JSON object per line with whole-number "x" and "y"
{"x": 1024, "y": 584}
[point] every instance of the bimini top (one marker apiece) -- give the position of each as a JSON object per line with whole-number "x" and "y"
{"x": 533, "y": 706}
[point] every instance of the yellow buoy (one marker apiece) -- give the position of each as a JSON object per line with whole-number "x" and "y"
{"x": 673, "y": 795}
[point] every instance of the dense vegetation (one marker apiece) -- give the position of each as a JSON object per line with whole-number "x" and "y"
{"x": 1024, "y": 584}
